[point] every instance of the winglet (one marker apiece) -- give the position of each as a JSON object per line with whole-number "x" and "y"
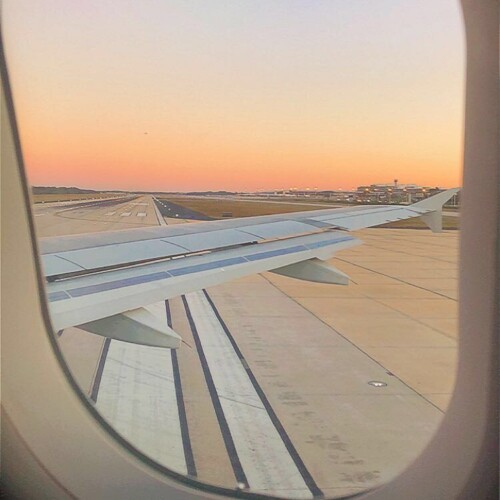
{"x": 437, "y": 201}
{"x": 433, "y": 218}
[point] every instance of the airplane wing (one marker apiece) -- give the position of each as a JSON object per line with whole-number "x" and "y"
{"x": 105, "y": 282}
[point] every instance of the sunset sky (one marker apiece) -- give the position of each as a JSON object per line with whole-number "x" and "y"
{"x": 177, "y": 95}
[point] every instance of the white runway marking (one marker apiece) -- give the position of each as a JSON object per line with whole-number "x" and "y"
{"x": 137, "y": 397}
{"x": 159, "y": 216}
{"x": 125, "y": 214}
{"x": 141, "y": 214}
{"x": 110, "y": 213}
{"x": 264, "y": 458}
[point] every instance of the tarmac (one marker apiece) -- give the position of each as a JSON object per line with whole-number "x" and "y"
{"x": 282, "y": 386}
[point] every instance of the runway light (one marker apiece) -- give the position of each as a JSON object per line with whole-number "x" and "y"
{"x": 377, "y": 383}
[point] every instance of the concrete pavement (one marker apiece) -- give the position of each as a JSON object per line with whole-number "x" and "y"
{"x": 314, "y": 350}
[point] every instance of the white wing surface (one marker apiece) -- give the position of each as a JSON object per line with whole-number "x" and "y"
{"x": 97, "y": 280}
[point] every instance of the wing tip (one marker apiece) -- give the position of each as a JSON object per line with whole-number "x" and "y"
{"x": 437, "y": 201}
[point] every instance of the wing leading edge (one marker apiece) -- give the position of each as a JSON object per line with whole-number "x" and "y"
{"x": 104, "y": 282}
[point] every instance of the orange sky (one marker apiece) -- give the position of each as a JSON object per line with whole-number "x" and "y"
{"x": 243, "y": 96}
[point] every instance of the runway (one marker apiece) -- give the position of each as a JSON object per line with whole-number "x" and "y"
{"x": 173, "y": 211}
{"x": 126, "y": 212}
{"x": 285, "y": 387}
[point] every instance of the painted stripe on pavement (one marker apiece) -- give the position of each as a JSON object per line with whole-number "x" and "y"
{"x": 186, "y": 440}
{"x": 263, "y": 456}
{"x": 137, "y": 396}
{"x": 224, "y": 427}
{"x": 308, "y": 479}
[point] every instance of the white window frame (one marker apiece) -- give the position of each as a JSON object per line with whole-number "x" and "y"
{"x": 55, "y": 446}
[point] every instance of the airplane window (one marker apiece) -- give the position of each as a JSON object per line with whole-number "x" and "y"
{"x": 248, "y": 227}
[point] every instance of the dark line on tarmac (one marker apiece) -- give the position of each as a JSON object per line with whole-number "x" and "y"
{"x": 224, "y": 427}
{"x": 347, "y": 339}
{"x": 396, "y": 279}
{"x": 100, "y": 370}
{"x": 408, "y": 253}
{"x": 304, "y": 472}
{"x": 186, "y": 440}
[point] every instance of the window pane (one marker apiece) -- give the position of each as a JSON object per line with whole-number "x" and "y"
{"x": 142, "y": 124}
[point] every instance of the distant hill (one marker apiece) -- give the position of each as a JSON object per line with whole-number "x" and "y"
{"x": 188, "y": 193}
{"x": 211, "y": 193}
{"x": 60, "y": 190}
{"x": 76, "y": 190}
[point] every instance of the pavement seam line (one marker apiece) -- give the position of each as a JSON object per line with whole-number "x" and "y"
{"x": 355, "y": 346}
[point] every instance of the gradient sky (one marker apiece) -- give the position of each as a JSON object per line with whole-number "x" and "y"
{"x": 237, "y": 94}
